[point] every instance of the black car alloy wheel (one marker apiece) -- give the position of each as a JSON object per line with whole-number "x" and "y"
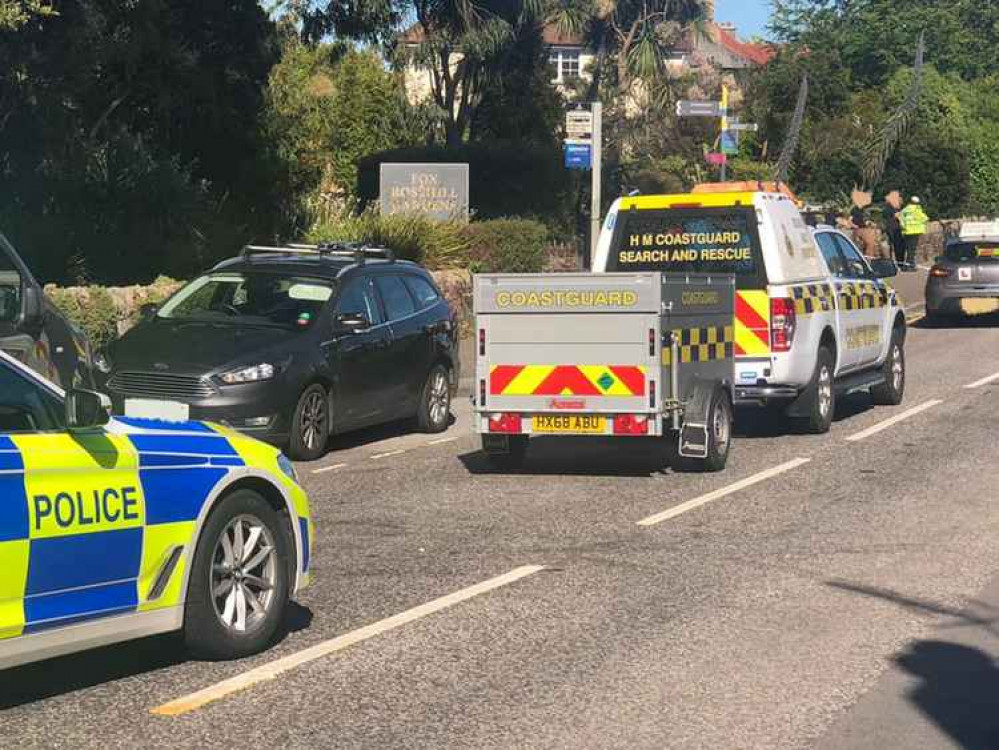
{"x": 310, "y": 427}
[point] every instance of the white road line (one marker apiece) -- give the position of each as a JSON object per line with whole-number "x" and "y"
{"x": 379, "y": 456}
{"x": 911, "y": 308}
{"x": 881, "y": 426}
{"x": 723, "y": 492}
{"x": 983, "y": 381}
{"x": 278, "y": 667}
{"x": 442, "y": 441}
{"x": 325, "y": 469}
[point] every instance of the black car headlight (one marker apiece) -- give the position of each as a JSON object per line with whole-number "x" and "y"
{"x": 252, "y": 374}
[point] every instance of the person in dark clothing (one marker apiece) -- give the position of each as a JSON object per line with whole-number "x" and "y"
{"x": 893, "y": 227}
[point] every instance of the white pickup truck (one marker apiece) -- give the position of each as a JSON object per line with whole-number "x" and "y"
{"x": 814, "y": 319}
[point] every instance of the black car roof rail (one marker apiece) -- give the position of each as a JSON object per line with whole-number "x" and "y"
{"x": 358, "y": 252}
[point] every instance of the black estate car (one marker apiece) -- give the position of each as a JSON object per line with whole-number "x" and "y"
{"x": 291, "y": 344}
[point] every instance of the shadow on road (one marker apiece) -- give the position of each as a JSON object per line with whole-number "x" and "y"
{"x": 958, "y": 684}
{"x": 760, "y": 422}
{"x": 376, "y": 434}
{"x": 68, "y": 674}
{"x": 959, "y": 321}
{"x": 582, "y": 456}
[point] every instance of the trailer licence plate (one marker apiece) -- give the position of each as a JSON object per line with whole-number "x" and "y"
{"x": 573, "y": 423}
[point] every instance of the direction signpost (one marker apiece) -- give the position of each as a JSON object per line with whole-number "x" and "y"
{"x": 730, "y": 127}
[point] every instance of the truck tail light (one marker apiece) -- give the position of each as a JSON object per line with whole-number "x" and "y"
{"x": 506, "y": 424}
{"x": 630, "y": 424}
{"x": 940, "y": 272}
{"x": 783, "y": 322}
{"x": 482, "y": 342}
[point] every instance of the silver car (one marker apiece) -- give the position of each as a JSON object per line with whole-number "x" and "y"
{"x": 965, "y": 279}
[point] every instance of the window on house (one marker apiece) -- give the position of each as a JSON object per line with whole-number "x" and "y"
{"x": 564, "y": 65}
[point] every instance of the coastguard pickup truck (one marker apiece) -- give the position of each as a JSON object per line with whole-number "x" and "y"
{"x": 617, "y": 355}
{"x": 813, "y": 320}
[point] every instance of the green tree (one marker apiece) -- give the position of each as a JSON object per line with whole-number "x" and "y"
{"x": 16, "y": 13}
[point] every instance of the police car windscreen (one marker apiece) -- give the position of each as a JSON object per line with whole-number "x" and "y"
{"x": 686, "y": 241}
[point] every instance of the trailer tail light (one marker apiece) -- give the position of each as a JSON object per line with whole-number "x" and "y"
{"x": 631, "y": 424}
{"x": 482, "y": 392}
{"x": 939, "y": 272}
{"x": 505, "y": 424}
{"x": 652, "y": 342}
{"x": 652, "y": 394}
{"x": 783, "y": 322}
{"x": 482, "y": 342}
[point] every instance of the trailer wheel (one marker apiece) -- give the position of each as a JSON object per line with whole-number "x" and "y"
{"x": 511, "y": 459}
{"x": 719, "y": 433}
{"x": 720, "y": 427}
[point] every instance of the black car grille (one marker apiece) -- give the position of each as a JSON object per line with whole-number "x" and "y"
{"x": 161, "y": 385}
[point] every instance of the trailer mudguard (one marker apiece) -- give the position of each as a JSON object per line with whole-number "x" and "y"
{"x": 694, "y": 441}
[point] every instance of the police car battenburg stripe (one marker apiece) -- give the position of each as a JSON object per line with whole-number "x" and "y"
{"x": 6, "y": 444}
{"x": 60, "y": 610}
{"x": 303, "y": 524}
{"x": 186, "y": 445}
{"x": 162, "y": 426}
{"x": 147, "y": 460}
{"x": 69, "y": 562}
{"x": 13, "y": 508}
{"x": 11, "y": 462}
{"x": 174, "y": 495}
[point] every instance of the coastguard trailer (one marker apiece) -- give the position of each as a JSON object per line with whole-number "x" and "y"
{"x": 625, "y": 355}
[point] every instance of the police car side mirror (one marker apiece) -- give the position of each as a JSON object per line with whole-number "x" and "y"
{"x": 884, "y": 268}
{"x": 86, "y": 410}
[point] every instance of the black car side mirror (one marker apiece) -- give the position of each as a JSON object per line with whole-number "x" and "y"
{"x": 86, "y": 410}
{"x": 884, "y": 268}
{"x": 351, "y": 323}
{"x": 149, "y": 310}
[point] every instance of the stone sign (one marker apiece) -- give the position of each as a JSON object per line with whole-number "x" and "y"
{"x": 436, "y": 190}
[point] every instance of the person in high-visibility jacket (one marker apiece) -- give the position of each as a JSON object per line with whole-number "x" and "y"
{"x": 914, "y": 222}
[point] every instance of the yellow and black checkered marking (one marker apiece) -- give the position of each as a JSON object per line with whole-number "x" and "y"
{"x": 813, "y": 298}
{"x": 702, "y": 345}
{"x": 863, "y": 295}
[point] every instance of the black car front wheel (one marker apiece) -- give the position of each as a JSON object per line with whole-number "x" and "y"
{"x": 310, "y": 425}
{"x": 435, "y": 401}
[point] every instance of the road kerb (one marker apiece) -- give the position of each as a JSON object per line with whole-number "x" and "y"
{"x": 275, "y": 669}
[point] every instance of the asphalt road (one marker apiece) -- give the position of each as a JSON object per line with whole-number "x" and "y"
{"x": 846, "y": 602}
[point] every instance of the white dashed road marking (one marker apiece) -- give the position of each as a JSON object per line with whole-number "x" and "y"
{"x": 723, "y": 492}
{"x": 443, "y": 440}
{"x": 881, "y": 426}
{"x": 983, "y": 381}
{"x": 276, "y": 668}
{"x": 389, "y": 454}
{"x": 325, "y": 469}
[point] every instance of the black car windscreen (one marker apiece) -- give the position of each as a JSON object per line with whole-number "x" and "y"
{"x": 696, "y": 240}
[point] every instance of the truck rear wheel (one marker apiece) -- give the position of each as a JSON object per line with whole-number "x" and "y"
{"x": 506, "y": 460}
{"x": 822, "y": 401}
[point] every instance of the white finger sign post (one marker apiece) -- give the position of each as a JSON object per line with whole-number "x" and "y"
{"x": 583, "y": 150}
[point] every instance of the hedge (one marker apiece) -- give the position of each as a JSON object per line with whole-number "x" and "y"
{"x": 505, "y": 179}
{"x": 507, "y": 246}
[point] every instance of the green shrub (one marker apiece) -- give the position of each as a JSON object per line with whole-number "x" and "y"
{"x": 435, "y": 244}
{"x": 92, "y": 309}
{"x": 505, "y": 179}
{"x": 507, "y": 246}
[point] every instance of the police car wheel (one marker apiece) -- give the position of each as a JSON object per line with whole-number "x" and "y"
{"x": 892, "y": 391}
{"x": 822, "y": 407}
{"x": 435, "y": 402}
{"x": 239, "y": 584}
{"x": 310, "y": 425}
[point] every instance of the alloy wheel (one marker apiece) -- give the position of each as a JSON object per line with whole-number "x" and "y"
{"x": 243, "y": 574}
{"x": 897, "y": 368}
{"x": 313, "y": 420}
{"x": 722, "y": 427}
{"x": 439, "y": 397}
{"x": 825, "y": 391}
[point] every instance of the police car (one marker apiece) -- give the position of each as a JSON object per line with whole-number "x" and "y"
{"x": 117, "y": 529}
{"x": 814, "y": 319}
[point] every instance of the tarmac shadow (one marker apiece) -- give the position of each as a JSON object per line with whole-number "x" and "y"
{"x": 958, "y": 690}
{"x": 957, "y": 322}
{"x": 68, "y": 674}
